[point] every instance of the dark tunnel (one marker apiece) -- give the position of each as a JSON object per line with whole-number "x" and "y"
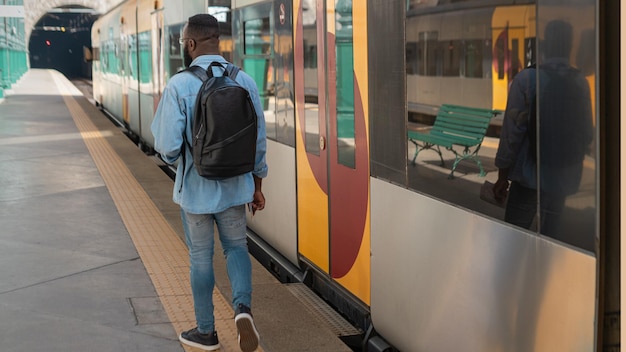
{"x": 59, "y": 39}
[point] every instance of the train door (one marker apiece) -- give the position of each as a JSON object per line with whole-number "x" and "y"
{"x": 262, "y": 43}
{"x": 332, "y": 141}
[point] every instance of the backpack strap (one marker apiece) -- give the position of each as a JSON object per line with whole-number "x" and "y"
{"x": 202, "y": 74}
{"x": 199, "y": 72}
{"x": 232, "y": 71}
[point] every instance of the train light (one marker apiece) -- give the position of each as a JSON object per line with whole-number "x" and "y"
{"x": 48, "y": 43}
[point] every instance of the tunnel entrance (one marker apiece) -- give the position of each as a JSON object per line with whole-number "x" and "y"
{"x": 59, "y": 39}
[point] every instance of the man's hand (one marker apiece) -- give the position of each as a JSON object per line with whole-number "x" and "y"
{"x": 258, "y": 202}
{"x": 501, "y": 190}
{"x": 501, "y": 187}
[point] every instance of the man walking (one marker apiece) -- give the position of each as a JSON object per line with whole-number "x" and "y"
{"x": 205, "y": 202}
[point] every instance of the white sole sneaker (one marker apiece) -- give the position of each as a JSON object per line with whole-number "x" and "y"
{"x": 198, "y": 345}
{"x": 248, "y": 335}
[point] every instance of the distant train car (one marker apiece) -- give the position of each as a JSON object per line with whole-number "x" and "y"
{"x": 466, "y": 57}
{"x": 136, "y": 50}
{"x": 416, "y": 260}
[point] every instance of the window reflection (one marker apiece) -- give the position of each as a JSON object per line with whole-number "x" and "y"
{"x": 283, "y": 78}
{"x": 257, "y": 63}
{"x": 474, "y": 62}
{"x": 145, "y": 63}
{"x": 175, "y": 54}
{"x": 268, "y": 59}
{"x": 311, "y": 92}
{"x": 565, "y": 123}
{"x": 345, "y": 83}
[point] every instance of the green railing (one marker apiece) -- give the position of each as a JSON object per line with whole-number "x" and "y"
{"x": 13, "y": 51}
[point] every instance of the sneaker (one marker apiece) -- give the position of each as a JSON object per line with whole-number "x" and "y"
{"x": 248, "y": 336}
{"x": 206, "y": 342}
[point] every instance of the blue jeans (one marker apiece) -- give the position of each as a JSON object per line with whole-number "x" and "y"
{"x": 521, "y": 209}
{"x": 199, "y": 235}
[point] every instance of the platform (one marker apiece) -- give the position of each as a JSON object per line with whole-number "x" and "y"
{"x": 90, "y": 241}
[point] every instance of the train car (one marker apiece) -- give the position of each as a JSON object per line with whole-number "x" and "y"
{"x": 412, "y": 257}
{"x": 136, "y": 49}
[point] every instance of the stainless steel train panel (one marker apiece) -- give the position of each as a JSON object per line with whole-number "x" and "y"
{"x": 142, "y": 108}
{"x": 112, "y": 101}
{"x": 134, "y": 116}
{"x": 147, "y": 115}
{"x": 446, "y": 279}
{"x": 276, "y": 224}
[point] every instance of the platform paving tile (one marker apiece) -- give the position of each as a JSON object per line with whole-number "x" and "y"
{"x": 71, "y": 279}
{"x": 91, "y": 264}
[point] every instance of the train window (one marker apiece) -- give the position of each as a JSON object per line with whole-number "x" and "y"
{"x": 311, "y": 111}
{"x": 283, "y": 87}
{"x": 487, "y": 59}
{"x": 105, "y": 56}
{"x": 473, "y": 59}
{"x": 451, "y": 58}
{"x": 110, "y": 62}
{"x": 175, "y": 56}
{"x": 145, "y": 57}
{"x": 310, "y": 55}
{"x": 132, "y": 57}
{"x": 122, "y": 52}
{"x": 345, "y": 84}
{"x": 175, "y": 33}
{"x": 221, "y": 13}
{"x": 257, "y": 38}
{"x": 430, "y": 49}
{"x": 114, "y": 62}
{"x": 221, "y": 10}
{"x": 473, "y": 65}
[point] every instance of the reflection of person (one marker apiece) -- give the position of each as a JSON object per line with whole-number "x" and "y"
{"x": 560, "y": 115}
{"x": 206, "y": 202}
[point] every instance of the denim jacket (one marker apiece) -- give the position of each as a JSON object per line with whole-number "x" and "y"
{"x": 196, "y": 194}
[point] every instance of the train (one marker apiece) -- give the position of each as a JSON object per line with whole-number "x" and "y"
{"x": 416, "y": 260}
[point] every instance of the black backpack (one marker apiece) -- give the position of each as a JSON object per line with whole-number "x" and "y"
{"x": 565, "y": 127}
{"x": 224, "y": 129}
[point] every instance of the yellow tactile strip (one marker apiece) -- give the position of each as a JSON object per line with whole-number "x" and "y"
{"x": 162, "y": 252}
